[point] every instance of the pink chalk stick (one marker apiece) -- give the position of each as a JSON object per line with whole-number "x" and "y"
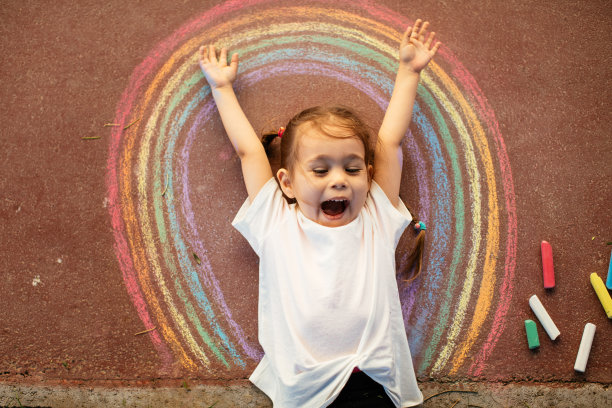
{"x": 548, "y": 271}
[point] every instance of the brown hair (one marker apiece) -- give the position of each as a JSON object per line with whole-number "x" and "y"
{"x": 415, "y": 259}
{"x": 322, "y": 118}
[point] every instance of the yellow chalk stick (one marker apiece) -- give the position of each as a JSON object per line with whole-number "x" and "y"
{"x": 602, "y": 294}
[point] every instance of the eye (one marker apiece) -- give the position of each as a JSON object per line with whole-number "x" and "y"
{"x": 319, "y": 171}
{"x": 353, "y": 170}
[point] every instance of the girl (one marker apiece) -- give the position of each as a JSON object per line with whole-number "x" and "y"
{"x": 329, "y": 310}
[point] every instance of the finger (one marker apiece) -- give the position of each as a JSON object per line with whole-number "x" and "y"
{"x": 234, "y": 63}
{"x": 212, "y": 54}
{"x": 415, "y": 28}
{"x": 435, "y": 48}
{"x": 430, "y": 39}
{"x": 423, "y": 28}
{"x": 203, "y": 57}
{"x": 406, "y": 35}
{"x": 223, "y": 57}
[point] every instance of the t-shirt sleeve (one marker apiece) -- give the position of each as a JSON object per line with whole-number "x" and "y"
{"x": 256, "y": 219}
{"x": 390, "y": 219}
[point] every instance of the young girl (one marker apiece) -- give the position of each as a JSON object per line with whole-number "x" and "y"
{"x": 325, "y": 230}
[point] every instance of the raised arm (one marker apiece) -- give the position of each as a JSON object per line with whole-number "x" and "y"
{"x": 414, "y": 55}
{"x": 256, "y": 169}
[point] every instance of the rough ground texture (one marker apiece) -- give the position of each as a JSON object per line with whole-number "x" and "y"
{"x": 490, "y": 395}
{"x": 128, "y": 230}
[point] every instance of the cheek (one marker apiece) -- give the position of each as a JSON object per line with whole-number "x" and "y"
{"x": 310, "y": 193}
{"x": 364, "y": 188}
{"x": 303, "y": 186}
{"x": 365, "y": 182}
{"x": 307, "y": 183}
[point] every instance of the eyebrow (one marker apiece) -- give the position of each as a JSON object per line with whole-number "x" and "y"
{"x": 348, "y": 158}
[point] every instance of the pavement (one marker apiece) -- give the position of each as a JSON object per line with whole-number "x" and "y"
{"x": 242, "y": 394}
{"x": 122, "y": 278}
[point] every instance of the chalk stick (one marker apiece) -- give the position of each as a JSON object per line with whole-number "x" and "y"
{"x": 548, "y": 271}
{"x": 585, "y": 347}
{"x": 543, "y": 317}
{"x": 602, "y": 294}
{"x": 609, "y": 280}
{"x": 532, "y": 334}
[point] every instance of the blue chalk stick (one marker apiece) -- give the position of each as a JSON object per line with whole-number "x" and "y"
{"x": 609, "y": 280}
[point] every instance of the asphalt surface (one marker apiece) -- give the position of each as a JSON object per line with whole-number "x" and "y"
{"x": 108, "y": 232}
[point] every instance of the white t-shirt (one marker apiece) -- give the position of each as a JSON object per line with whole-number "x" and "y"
{"x": 328, "y": 300}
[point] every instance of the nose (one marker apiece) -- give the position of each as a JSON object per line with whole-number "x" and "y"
{"x": 339, "y": 180}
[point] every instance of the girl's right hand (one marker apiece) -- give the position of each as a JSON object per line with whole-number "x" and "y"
{"x": 217, "y": 72}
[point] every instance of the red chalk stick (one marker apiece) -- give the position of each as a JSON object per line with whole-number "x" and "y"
{"x": 548, "y": 271}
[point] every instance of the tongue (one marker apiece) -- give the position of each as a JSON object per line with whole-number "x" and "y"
{"x": 332, "y": 207}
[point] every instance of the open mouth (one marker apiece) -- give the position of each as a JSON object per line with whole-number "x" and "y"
{"x": 334, "y": 208}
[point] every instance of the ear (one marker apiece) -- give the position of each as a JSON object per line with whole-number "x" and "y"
{"x": 285, "y": 182}
{"x": 370, "y": 173}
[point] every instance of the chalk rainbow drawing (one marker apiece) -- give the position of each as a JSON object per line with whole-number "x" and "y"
{"x": 455, "y": 313}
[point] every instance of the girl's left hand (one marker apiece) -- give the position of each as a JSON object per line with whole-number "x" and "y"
{"x": 415, "y": 51}
{"x": 216, "y": 70}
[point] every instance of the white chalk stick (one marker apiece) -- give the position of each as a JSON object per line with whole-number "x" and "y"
{"x": 585, "y": 347}
{"x": 543, "y": 317}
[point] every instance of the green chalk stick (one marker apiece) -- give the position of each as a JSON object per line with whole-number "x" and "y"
{"x": 532, "y": 334}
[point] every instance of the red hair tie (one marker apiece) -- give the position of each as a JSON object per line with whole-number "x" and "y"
{"x": 281, "y": 131}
